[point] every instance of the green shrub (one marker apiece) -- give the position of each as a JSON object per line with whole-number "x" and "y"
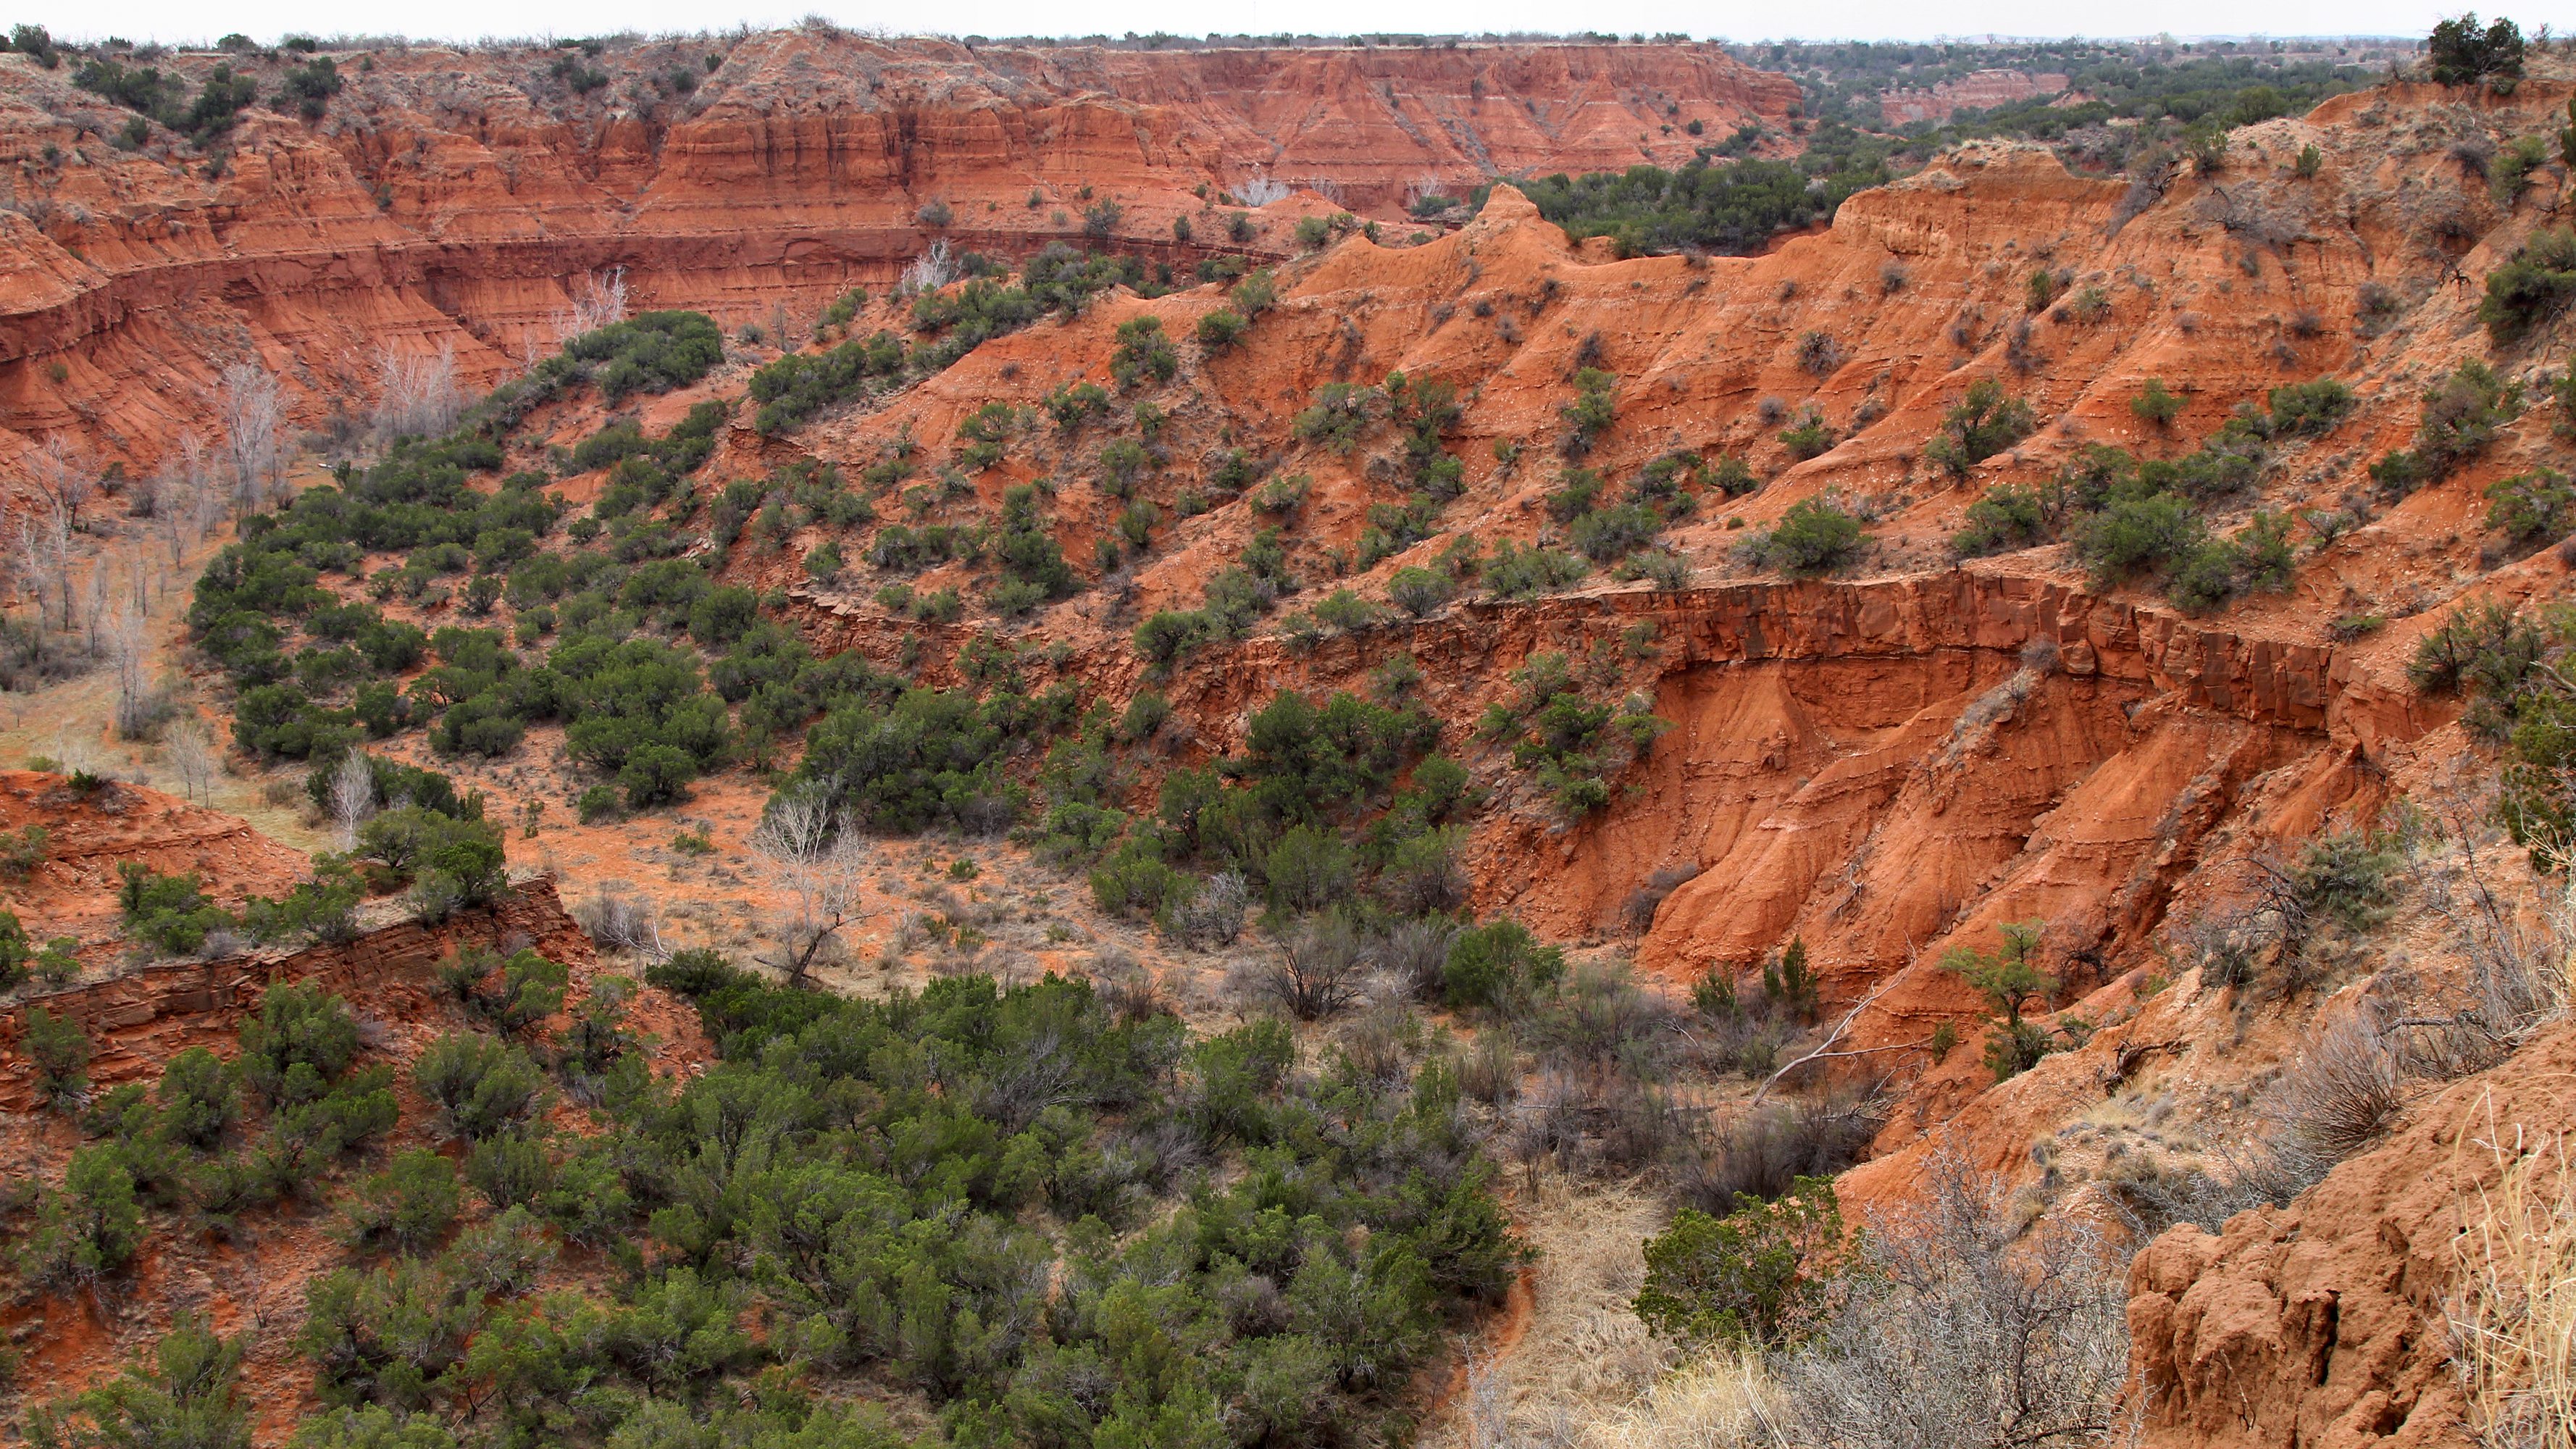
{"x": 1589, "y": 414}
{"x": 21, "y": 851}
{"x": 170, "y": 913}
{"x": 1730, "y": 208}
{"x": 1120, "y": 464}
{"x": 1170, "y": 634}
{"x": 2136, "y": 536}
{"x": 15, "y": 952}
{"x": 1338, "y": 414}
{"x": 1220, "y": 329}
{"x": 199, "y": 1098}
{"x": 91, "y": 1228}
{"x": 1605, "y": 534}
{"x": 929, "y": 757}
{"x": 1419, "y": 591}
{"x": 2009, "y": 978}
{"x": 186, "y": 1397}
{"x": 321, "y": 909}
{"x": 1144, "y": 354}
{"x": 1813, "y": 537}
{"x": 513, "y": 994}
{"x": 300, "y": 1043}
{"x": 1514, "y": 572}
{"x": 2533, "y": 507}
{"x": 60, "y": 1051}
{"x": 1984, "y": 423}
{"x": 482, "y": 1087}
{"x": 1759, "y": 1276}
{"x": 2532, "y": 288}
{"x": 2347, "y": 876}
{"x": 2462, "y": 414}
{"x": 1499, "y": 965}
{"x": 2310, "y": 408}
{"x": 1347, "y": 612}
{"x": 1789, "y": 984}
{"x": 408, "y": 1207}
{"x": 2155, "y": 405}
{"x": 2460, "y": 54}
{"x": 2009, "y": 516}
{"x": 1307, "y": 869}
{"x": 57, "y": 964}
{"x": 1808, "y": 437}
{"x": 1282, "y": 495}
{"x": 2483, "y": 650}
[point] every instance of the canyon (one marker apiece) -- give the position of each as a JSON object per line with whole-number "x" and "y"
{"x": 1886, "y": 761}
{"x": 462, "y": 199}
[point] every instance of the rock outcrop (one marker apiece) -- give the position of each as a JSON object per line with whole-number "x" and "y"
{"x": 2324, "y": 1324}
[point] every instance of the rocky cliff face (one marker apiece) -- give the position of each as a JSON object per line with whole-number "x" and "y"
{"x": 463, "y": 198}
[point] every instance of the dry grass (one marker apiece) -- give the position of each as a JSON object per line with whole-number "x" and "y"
{"x": 2514, "y": 1319}
{"x": 1724, "y": 1402}
{"x": 2341, "y": 1094}
{"x": 1582, "y": 1357}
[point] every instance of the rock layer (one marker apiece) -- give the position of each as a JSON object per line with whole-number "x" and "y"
{"x": 462, "y": 198}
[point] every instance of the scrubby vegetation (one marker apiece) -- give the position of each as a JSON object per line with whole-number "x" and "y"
{"x": 2462, "y": 414}
{"x": 2507, "y": 666}
{"x": 1732, "y": 209}
{"x": 949, "y": 323}
{"x": 2531, "y": 288}
{"x": 1986, "y": 422}
{"x": 1814, "y": 537}
{"x": 2142, "y": 519}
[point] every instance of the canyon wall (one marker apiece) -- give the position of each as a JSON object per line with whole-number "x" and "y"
{"x": 462, "y": 198}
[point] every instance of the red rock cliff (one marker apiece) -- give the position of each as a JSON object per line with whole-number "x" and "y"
{"x": 459, "y": 197}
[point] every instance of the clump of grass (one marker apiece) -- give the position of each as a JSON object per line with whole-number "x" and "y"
{"x": 2513, "y": 1320}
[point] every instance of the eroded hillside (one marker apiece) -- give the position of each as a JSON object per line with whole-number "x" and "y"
{"x": 464, "y": 198}
{"x": 2027, "y": 644}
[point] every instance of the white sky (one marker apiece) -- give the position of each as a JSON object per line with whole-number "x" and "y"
{"x": 170, "y": 20}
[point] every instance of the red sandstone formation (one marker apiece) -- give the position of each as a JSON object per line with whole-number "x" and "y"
{"x": 462, "y": 197}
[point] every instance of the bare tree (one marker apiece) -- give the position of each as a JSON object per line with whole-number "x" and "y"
{"x": 419, "y": 395}
{"x": 44, "y": 566}
{"x": 619, "y": 919}
{"x": 191, "y": 753}
{"x": 1319, "y": 968}
{"x": 197, "y": 467}
{"x": 94, "y": 594}
{"x": 1260, "y": 189}
{"x": 353, "y": 795}
{"x": 137, "y": 707}
{"x": 600, "y": 301}
{"x": 253, "y": 406}
{"x": 61, "y": 476}
{"x": 1968, "y": 1330}
{"x": 928, "y": 272}
{"x": 814, "y": 859}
